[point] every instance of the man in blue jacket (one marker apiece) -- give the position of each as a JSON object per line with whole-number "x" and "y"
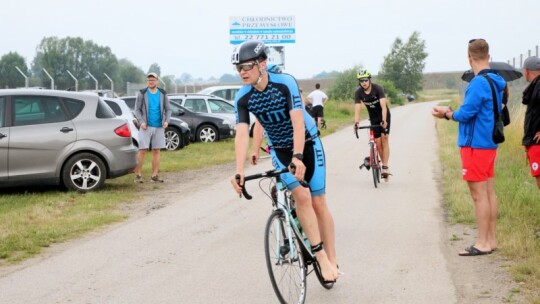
{"x": 478, "y": 150}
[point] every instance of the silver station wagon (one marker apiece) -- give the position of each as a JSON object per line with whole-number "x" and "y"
{"x": 50, "y": 137}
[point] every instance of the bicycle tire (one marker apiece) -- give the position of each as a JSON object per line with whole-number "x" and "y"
{"x": 287, "y": 274}
{"x": 373, "y": 164}
{"x": 378, "y": 166}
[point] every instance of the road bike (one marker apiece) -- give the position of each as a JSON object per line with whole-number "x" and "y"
{"x": 373, "y": 161}
{"x": 287, "y": 249}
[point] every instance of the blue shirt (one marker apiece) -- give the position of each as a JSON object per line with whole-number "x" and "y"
{"x": 475, "y": 115}
{"x": 154, "y": 109}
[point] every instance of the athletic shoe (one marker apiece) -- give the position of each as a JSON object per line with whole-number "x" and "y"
{"x": 138, "y": 179}
{"x": 156, "y": 179}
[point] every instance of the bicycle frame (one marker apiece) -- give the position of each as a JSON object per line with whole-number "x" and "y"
{"x": 374, "y": 157}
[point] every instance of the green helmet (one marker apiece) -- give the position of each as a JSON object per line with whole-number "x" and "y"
{"x": 363, "y": 74}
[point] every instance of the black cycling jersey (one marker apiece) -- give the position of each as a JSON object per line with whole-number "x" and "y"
{"x": 372, "y": 102}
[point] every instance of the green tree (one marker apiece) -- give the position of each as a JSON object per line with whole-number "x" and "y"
{"x": 76, "y": 55}
{"x": 155, "y": 68}
{"x": 9, "y": 76}
{"x": 405, "y": 63}
{"x": 128, "y": 72}
{"x": 345, "y": 85}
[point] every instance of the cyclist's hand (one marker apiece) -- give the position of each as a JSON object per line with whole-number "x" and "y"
{"x": 300, "y": 169}
{"x": 236, "y": 181}
{"x": 254, "y": 158}
{"x": 384, "y": 124}
{"x": 355, "y": 127}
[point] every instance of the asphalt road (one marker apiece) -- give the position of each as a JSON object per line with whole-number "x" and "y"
{"x": 207, "y": 246}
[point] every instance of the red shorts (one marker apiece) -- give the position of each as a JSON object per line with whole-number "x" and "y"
{"x": 533, "y": 154}
{"x": 478, "y": 164}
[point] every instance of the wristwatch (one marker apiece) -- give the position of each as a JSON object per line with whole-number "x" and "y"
{"x": 298, "y": 156}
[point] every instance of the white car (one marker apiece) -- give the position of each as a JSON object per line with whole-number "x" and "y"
{"x": 203, "y": 103}
{"x": 226, "y": 92}
{"x": 121, "y": 109}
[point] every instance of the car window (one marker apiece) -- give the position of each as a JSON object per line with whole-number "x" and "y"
{"x": 220, "y": 93}
{"x": 32, "y": 110}
{"x": 175, "y": 108}
{"x": 115, "y": 107}
{"x": 1, "y": 111}
{"x": 233, "y": 94}
{"x": 220, "y": 106}
{"x": 196, "y": 105}
{"x": 73, "y": 106}
{"x": 130, "y": 102}
{"x": 103, "y": 110}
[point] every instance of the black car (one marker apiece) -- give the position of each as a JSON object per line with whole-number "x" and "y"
{"x": 177, "y": 134}
{"x": 204, "y": 127}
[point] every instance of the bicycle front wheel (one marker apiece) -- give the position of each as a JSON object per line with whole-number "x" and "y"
{"x": 374, "y": 165}
{"x": 284, "y": 260}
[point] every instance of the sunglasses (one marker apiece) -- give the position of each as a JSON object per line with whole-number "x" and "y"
{"x": 364, "y": 80}
{"x": 473, "y": 40}
{"x": 245, "y": 66}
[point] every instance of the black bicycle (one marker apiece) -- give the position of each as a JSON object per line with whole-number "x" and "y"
{"x": 287, "y": 249}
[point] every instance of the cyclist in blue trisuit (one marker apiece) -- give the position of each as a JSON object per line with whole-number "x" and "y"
{"x": 373, "y": 97}
{"x": 274, "y": 99}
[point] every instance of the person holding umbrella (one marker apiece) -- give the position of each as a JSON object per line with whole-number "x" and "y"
{"x": 478, "y": 150}
{"x": 531, "y": 98}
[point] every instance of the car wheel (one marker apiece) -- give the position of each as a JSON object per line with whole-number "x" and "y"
{"x": 83, "y": 172}
{"x": 172, "y": 139}
{"x": 207, "y": 133}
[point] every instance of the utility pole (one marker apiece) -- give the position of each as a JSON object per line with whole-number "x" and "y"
{"x": 112, "y": 83}
{"x": 52, "y": 80}
{"x": 76, "y": 81}
{"x": 25, "y": 77}
{"x": 94, "y": 79}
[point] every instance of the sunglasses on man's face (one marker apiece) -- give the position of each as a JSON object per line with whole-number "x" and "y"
{"x": 245, "y": 66}
{"x": 364, "y": 80}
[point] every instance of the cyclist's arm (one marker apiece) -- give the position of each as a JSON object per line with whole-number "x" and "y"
{"x": 384, "y": 108}
{"x": 258, "y": 133}
{"x": 357, "y": 110}
{"x": 299, "y": 140}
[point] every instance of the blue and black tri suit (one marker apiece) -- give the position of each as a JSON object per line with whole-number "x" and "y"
{"x": 272, "y": 108}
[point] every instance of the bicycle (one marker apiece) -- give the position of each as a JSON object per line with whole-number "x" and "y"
{"x": 374, "y": 159}
{"x": 287, "y": 249}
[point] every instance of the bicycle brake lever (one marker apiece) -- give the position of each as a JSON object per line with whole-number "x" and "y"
{"x": 244, "y": 192}
{"x": 302, "y": 182}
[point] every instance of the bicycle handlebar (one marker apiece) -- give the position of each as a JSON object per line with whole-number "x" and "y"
{"x": 365, "y": 127}
{"x": 269, "y": 173}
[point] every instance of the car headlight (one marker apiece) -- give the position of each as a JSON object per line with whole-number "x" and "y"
{"x": 184, "y": 124}
{"x": 228, "y": 123}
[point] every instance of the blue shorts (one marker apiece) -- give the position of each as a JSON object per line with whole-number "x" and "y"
{"x": 315, "y": 163}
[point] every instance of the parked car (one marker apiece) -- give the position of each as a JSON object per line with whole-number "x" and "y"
{"x": 61, "y": 138}
{"x": 203, "y": 103}
{"x": 225, "y": 92}
{"x": 177, "y": 134}
{"x": 121, "y": 110}
{"x": 204, "y": 127}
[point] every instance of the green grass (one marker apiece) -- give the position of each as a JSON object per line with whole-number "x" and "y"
{"x": 518, "y": 198}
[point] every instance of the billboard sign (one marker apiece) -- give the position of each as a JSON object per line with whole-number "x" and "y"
{"x": 268, "y": 29}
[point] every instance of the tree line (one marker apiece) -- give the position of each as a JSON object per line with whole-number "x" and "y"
{"x": 401, "y": 71}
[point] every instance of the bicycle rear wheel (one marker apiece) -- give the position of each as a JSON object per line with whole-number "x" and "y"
{"x": 374, "y": 167}
{"x": 286, "y": 265}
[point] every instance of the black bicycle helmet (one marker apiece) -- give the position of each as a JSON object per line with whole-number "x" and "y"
{"x": 249, "y": 50}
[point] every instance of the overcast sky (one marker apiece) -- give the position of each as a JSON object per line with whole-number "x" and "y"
{"x": 192, "y": 37}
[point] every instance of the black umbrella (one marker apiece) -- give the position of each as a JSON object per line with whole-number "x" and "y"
{"x": 506, "y": 71}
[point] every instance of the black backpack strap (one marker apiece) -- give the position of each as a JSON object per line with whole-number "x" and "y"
{"x": 495, "y": 106}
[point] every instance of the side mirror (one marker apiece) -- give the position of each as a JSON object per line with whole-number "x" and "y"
{"x": 181, "y": 112}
